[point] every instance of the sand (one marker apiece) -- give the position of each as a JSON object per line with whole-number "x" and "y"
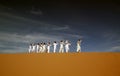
{"x": 70, "y": 64}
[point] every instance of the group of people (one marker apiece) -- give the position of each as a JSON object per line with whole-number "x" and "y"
{"x": 45, "y": 48}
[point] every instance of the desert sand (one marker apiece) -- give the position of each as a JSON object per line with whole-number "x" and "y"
{"x": 60, "y": 64}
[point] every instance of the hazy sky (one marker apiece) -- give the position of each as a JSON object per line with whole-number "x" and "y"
{"x": 25, "y": 22}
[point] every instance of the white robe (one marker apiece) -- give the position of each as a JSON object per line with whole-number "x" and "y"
{"x": 44, "y": 48}
{"x": 48, "y": 48}
{"x": 30, "y": 48}
{"x": 33, "y": 48}
{"x": 61, "y": 47}
{"x": 78, "y": 47}
{"x": 40, "y": 48}
{"x": 67, "y": 47}
{"x": 37, "y": 48}
{"x": 55, "y": 45}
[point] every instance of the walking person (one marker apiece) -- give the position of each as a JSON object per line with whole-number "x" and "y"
{"x": 41, "y": 47}
{"x": 67, "y": 44}
{"x": 37, "y": 47}
{"x": 54, "y": 46}
{"x": 79, "y": 45}
{"x": 61, "y": 50}
{"x": 30, "y": 48}
{"x": 48, "y": 47}
{"x": 33, "y": 47}
{"x": 44, "y": 48}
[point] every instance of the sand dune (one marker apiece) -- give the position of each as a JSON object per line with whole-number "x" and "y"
{"x": 70, "y": 64}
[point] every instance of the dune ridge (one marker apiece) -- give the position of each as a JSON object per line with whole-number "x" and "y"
{"x": 60, "y": 64}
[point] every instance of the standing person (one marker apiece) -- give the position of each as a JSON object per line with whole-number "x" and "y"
{"x": 44, "y": 47}
{"x": 48, "y": 47}
{"x": 37, "y": 48}
{"x": 30, "y": 48}
{"x": 33, "y": 47}
{"x": 61, "y": 47}
{"x": 54, "y": 46}
{"x": 41, "y": 47}
{"x": 67, "y": 44}
{"x": 79, "y": 45}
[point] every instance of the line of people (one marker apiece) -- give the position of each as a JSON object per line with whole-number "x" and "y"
{"x": 45, "y": 48}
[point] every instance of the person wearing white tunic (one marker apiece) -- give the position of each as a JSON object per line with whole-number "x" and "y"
{"x": 44, "y": 47}
{"x": 33, "y": 48}
{"x": 37, "y": 48}
{"x": 61, "y": 47}
{"x": 30, "y": 48}
{"x": 54, "y": 46}
{"x": 41, "y": 47}
{"x": 48, "y": 47}
{"x": 79, "y": 45}
{"x": 67, "y": 44}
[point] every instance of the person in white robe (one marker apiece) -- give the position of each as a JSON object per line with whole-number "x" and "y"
{"x": 37, "y": 48}
{"x": 54, "y": 46}
{"x": 48, "y": 47}
{"x": 79, "y": 45}
{"x": 61, "y": 50}
{"x": 30, "y": 48}
{"x": 44, "y": 48}
{"x": 33, "y": 47}
{"x": 41, "y": 47}
{"x": 67, "y": 44}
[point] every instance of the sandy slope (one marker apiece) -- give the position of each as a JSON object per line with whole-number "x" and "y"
{"x": 71, "y": 64}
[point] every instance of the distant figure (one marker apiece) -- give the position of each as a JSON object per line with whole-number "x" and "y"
{"x": 61, "y": 47}
{"x": 37, "y": 48}
{"x": 48, "y": 47}
{"x": 79, "y": 45}
{"x": 41, "y": 47}
{"x": 33, "y": 47}
{"x": 30, "y": 48}
{"x": 67, "y": 44}
{"x": 44, "y": 47}
{"x": 54, "y": 46}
